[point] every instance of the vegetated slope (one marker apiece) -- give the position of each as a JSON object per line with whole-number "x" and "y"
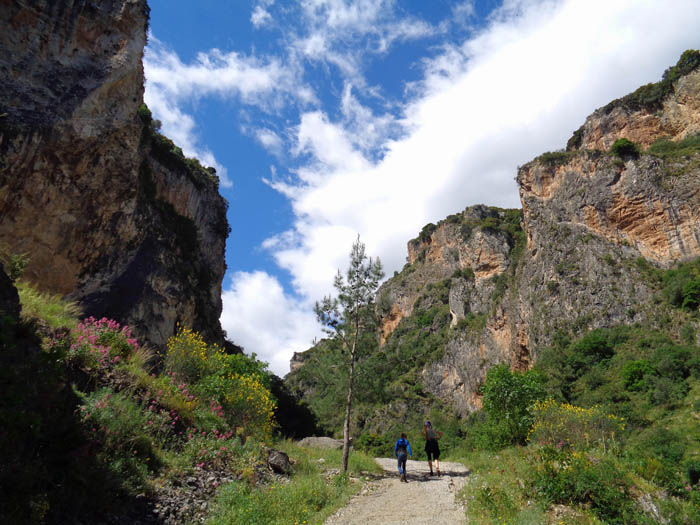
{"x": 94, "y": 432}
{"x": 110, "y": 213}
{"x": 492, "y": 286}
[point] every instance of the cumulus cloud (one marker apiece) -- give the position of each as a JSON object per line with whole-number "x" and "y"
{"x": 266, "y": 320}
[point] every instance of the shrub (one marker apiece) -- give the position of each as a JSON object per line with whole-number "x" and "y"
{"x": 188, "y": 356}
{"x": 243, "y": 401}
{"x": 635, "y": 373}
{"x": 144, "y": 114}
{"x": 101, "y": 344}
{"x": 668, "y": 149}
{"x": 594, "y": 347}
{"x": 678, "y": 287}
{"x": 119, "y": 428}
{"x": 508, "y": 397}
{"x": 376, "y": 445}
{"x": 568, "y": 476}
{"x": 565, "y": 425}
{"x": 650, "y": 96}
{"x": 625, "y": 148}
{"x": 691, "y": 295}
{"x": 666, "y": 391}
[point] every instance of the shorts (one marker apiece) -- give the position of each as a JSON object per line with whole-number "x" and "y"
{"x": 432, "y": 449}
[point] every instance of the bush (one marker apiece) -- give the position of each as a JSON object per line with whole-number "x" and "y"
{"x": 566, "y": 425}
{"x": 691, "y": 295}
{"x": 565, "y": 476}
{"x": 668, "y": 149}
{"x": 188, "y": 356}
{"x": 625, "y": 148}
{"x": 375, "y": 445}
{"x": 120, "y": 431}
{"x": 243, "y": 401}
{"x": 101, "y": 344}
{"x": 635, "y": 373}
{"x": 508, "y": 397}
{"x": 595, "y": 347}
{"x": 679, "y": 285}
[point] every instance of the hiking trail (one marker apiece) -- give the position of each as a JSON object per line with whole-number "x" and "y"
{"x": 424, "y": 499}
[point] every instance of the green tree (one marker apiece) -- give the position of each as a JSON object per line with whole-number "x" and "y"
{"x": 508, "y": 398}
{"x": 349, "y": 317}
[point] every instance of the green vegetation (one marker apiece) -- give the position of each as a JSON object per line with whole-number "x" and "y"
{"x": 575, "y": 141}
{"x": 667, "y": 149}
{"x": 554, "y": 158}
{"x": 350, "y": 321}
{"x": 625, "y": 148}
{"x": 51, "y": 309}
{"x": 171, "y": 156}
{"x": 94, "y": 426}
{"x": 650, "y": 96}
{"x": 614, "y": 424}
{"x": 310, "y": 497}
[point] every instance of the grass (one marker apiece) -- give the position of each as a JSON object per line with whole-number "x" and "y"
{"x": 51, "y": 309}
{"x": 494, "y": 492}
{"x": 313, "y": 493}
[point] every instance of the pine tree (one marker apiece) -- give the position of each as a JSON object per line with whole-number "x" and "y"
{"x": 347, "y": 317}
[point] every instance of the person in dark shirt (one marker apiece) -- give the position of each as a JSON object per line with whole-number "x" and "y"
{"x": 431, "y": 446}
{"x": 401, "y": 450}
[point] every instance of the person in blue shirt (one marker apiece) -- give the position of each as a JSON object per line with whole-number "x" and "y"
{"x": 401, "y": 449}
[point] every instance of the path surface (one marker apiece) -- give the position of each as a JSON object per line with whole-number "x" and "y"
{"x": 424, "y": 499}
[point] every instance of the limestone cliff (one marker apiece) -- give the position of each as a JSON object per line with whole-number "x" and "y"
{"x": 110, "y": 212}
{"x": 511, "y": 281}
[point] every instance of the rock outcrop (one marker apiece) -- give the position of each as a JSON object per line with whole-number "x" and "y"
{"x": 109, "y": 211}
{"x": 571, "y": 260}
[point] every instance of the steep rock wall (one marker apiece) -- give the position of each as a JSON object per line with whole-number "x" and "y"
{"x": 109, "y": 212}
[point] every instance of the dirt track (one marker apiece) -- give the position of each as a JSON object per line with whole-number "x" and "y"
{"x": 424, "y": 499}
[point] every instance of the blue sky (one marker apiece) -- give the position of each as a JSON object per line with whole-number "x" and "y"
{"x": 331, "y": 118}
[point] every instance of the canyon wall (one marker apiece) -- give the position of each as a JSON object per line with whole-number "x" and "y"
{"x": 110, "y": 212}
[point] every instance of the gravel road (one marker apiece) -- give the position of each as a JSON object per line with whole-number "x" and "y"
{"x": 424, "y": 499}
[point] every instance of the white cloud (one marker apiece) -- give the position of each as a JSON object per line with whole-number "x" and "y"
{"x": 266, "y": 84}
{"x": 263, "y": 319}
{"x": 270, "y": 140}
{"x": 260, "y": 16}
{"x": 342, "y": 32}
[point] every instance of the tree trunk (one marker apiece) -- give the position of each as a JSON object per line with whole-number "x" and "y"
{"x": 348, "y": 403}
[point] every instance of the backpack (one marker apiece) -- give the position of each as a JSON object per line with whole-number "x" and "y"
{"x": 402, "y": 446}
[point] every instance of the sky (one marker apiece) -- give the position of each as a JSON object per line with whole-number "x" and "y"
{"x": 329, "y": 119}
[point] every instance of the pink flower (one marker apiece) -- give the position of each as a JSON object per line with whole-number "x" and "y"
{"x": 216, "y": 484}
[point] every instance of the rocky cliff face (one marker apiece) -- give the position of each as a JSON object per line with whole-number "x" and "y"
{"x": 573, "y": 259}
{"x": 110, "y": 212}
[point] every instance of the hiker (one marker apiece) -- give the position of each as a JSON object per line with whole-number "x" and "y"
{"x": 402, "y": 448}
{"x": 431, "y": 445}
